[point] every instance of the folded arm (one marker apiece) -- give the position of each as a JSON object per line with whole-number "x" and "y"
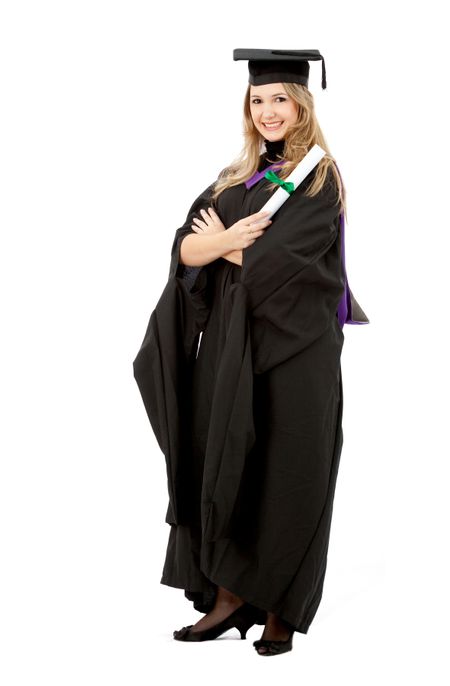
{"x": 197, "y": 250}
{"x": 234, "y": 256}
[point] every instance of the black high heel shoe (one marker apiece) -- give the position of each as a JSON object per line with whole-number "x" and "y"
{"x": 242, "y": 618}
{"x": 274, "y": 647}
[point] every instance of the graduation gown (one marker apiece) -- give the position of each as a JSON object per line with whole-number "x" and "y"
{"x": 239, "y": 371}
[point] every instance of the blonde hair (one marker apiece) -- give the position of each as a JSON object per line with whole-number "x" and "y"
{"x": 299, "y": 138}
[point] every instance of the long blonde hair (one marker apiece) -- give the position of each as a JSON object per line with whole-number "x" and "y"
{"x": 299, "y": 138}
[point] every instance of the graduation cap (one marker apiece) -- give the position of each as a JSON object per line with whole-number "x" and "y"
{"x": 279, "y": 66}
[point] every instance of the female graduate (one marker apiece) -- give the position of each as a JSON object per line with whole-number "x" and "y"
{"x": 240, "y": 374}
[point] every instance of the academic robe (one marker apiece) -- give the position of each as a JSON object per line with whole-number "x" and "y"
{"x": 240, "y": 375}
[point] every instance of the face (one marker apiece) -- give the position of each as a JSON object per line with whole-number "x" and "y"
{"x": 271, "y": 104}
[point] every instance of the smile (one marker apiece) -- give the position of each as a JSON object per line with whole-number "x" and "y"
{"x": 273, "y": 126}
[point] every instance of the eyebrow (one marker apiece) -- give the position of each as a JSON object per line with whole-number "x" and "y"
{"x": 255, "y": 95}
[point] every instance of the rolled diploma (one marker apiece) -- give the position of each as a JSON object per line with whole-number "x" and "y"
{"x": 297, "y": 175}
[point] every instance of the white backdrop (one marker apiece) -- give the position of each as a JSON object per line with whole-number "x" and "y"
{"x": 114, "y": 117}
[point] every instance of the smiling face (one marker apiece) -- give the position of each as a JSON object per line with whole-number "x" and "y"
{"x": 271, "y": 104}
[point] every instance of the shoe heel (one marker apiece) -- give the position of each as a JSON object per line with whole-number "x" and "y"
{"x": 243, "y": 623}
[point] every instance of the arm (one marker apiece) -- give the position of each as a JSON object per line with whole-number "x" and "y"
{"x": 234, "y": 256}
{"x": 197, "y": 250}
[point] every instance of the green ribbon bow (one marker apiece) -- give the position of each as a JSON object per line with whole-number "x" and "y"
{"x": 287, "y": 185}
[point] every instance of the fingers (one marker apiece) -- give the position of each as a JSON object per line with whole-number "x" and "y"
{"x": 197, "y": 227}
{"x": 260, "y": 222}
{"x": 209, "y": 219}
{"x": 209, "y": 223}
{"x": 205, "y": 216}
{"x": 261, "y": 214}
{"x": 211, "y": 214}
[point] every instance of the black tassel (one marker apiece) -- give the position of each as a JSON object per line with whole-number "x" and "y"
{"x": 324, "y": 75}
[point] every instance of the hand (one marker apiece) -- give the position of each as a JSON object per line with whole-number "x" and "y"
{"x": 244, "y": 232}
{"x": 211, "y": 223}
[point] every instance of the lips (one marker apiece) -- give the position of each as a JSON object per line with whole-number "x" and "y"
{"x": 272, "y": 126}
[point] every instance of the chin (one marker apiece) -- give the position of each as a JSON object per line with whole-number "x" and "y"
{"x": 279, "y": 132}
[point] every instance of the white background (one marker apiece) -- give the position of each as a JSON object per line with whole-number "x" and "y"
{"x": 114, "y": 117}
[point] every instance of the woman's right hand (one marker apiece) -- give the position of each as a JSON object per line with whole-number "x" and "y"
{"x": 244, "y": 232}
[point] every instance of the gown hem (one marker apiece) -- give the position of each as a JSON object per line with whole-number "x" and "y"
{"x": 300, "y": 627}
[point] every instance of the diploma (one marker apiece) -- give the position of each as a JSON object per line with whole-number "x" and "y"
{"x": 301, "y": 171}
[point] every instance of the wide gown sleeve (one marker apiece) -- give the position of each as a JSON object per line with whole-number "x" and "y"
{"x": 293, "y": 275}
{"x": 164, "y": 364}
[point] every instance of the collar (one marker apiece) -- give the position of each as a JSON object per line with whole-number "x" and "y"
{"x": 274, "y": 148}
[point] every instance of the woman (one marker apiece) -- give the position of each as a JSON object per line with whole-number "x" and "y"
{"x": 240, "y": 373}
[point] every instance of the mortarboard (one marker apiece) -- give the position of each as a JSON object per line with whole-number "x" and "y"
{"x": 277, "y": 66}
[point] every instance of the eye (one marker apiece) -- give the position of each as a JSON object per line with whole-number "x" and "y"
{"x": 257, "y": 100}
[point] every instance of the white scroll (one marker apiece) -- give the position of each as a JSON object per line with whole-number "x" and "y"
{"x": 297, "y": 175}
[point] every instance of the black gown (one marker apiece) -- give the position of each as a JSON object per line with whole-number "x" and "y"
{"x": 241, "y": 378}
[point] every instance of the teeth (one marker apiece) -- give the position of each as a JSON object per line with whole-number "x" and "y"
{"x": 273, "y": 126}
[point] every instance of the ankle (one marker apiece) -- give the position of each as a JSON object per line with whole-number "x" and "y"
{"x": 227, "y": 598}
{"x": 228, "y": 603}
{"x": 275, "y": 624}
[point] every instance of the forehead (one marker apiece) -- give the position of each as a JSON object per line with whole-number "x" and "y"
{"x": 267, "y": 90}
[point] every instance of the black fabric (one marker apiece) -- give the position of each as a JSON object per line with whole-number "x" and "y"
{"x": 278, "y": 66}
{"x": 241, "y": 380}
{"x": 274, "y": 150}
